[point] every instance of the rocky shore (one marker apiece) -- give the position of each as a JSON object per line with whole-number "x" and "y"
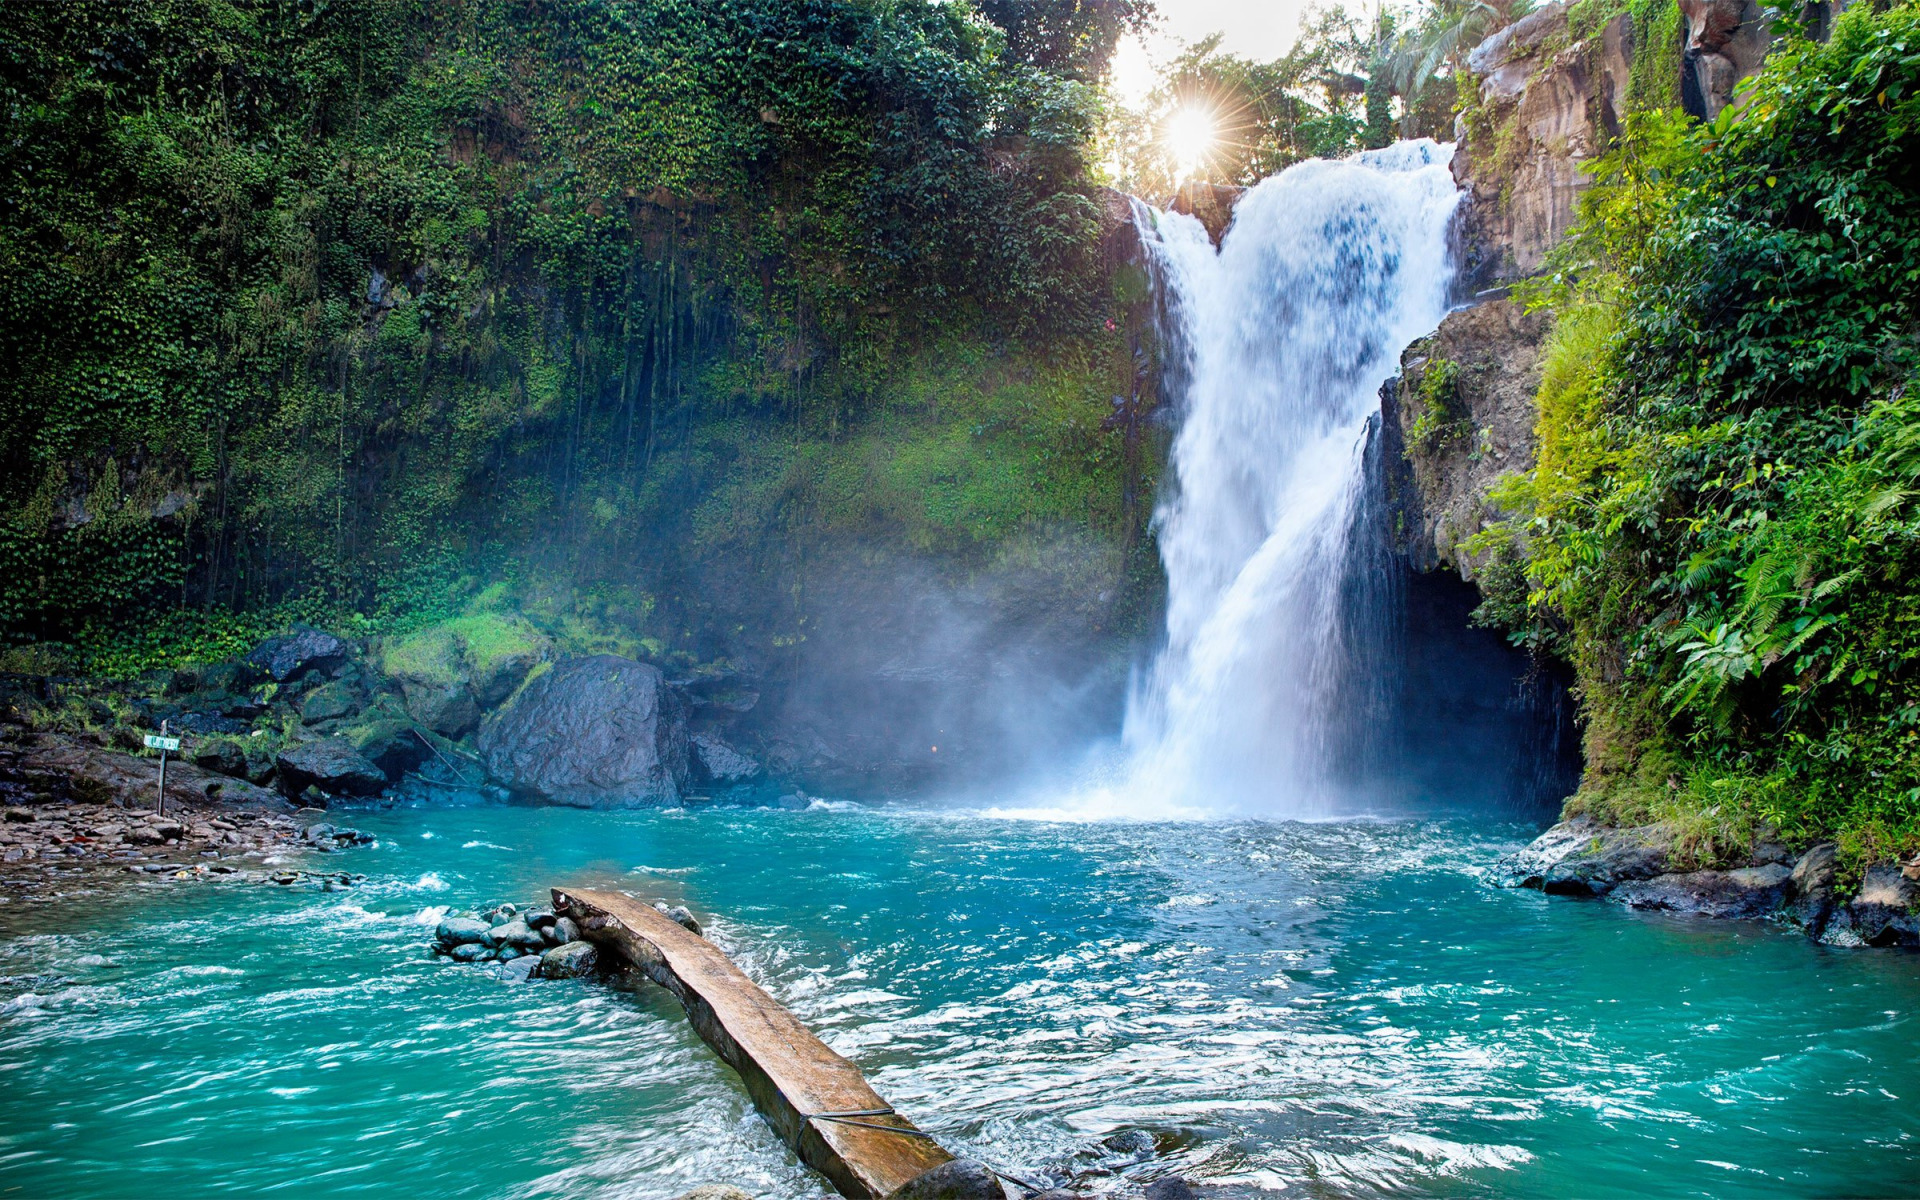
{"x": 1642, "y": 868}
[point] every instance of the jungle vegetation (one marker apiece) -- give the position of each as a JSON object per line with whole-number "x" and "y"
{"x": 1723, "y": 527}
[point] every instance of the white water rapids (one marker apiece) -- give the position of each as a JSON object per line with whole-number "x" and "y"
{"x": 1283, "y": 338}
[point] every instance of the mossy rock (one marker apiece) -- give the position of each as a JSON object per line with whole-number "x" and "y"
{"x": 331, "y": 701}
{"x": 488, "y": 653}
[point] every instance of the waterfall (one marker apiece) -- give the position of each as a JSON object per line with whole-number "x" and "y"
{"x": 1277, "y": 608}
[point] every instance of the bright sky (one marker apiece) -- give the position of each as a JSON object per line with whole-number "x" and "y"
{"x": 1256, "y": 29}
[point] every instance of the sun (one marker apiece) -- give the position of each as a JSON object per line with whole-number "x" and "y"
{"x": 1190, "y": 135}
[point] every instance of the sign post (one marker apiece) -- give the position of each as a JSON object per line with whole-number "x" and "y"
{"x": 162, "y": 743}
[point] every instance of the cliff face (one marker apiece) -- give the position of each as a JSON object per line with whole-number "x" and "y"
{"x": 1545, "y": 105}
{"x": 1458, "y": 418}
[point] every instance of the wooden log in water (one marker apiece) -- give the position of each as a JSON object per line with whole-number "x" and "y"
{"x": 868, "y": 1153}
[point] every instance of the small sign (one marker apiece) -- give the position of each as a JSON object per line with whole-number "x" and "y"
{"x": 155, "y": 742}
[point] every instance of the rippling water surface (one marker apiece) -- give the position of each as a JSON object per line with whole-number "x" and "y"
{"x": 1323, "y": 1010}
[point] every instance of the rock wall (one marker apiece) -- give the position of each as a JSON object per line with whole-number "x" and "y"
{"x": 1459, "y": 417}
{"x": 1545, "y": 106}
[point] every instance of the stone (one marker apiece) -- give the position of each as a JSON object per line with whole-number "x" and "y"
{"x": 225, "y": 757}
{"x": 1171, "y": 1188}
{"x": 520, "y": 969}
{"x": 595, "y": 732}
{"x": 448, "y": 709}
{"x": 332, "y": 765}
{"x": 516, "y": 933}
{"x": 331, "y": 701}
{"x": 294, "y": 654}
{"x": 564, "y": 931}
{"x": 715, "y": 1191}
{"x": 1584, "y": 858}
{"x": 961, "y": 1179}
{"x": 1749, "y": 892}
{"x": 21, "y": 816}
{"x": 1812, "y": 886}
{"x": 471, "y": 952}
{"x": 720, "y": 762}
{"x": 1886, "y": 912}
{"x": 569, "y": 961}
{"x": 461, "y": 931}
{"x": 679, "y": 915}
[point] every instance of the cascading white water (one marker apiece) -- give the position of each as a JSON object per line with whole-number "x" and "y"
{"x": 1284, "y": 336}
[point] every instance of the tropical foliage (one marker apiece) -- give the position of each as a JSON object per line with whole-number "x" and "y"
{"x": 336, "y": 299}
{"x": 1723, "y": 529}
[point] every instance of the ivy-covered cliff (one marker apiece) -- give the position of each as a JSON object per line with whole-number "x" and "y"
{"x": 1705, "y": 504}
{"x": 340, "y": 300}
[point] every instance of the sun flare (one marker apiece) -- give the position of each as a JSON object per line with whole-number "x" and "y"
{"x": 1190, "y": 135}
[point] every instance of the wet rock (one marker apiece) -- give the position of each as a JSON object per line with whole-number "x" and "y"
{"x": 294, "y": 654}
{"x": 1812, "y": 886}
{"x": 720, "y": 762}
{"x": 461, "y": 931}
{"x": 331, "y": 701}
{"x": 520, "y": 969}
{"x": 569, "y": 961}
{"x": 471, "y": 952}
{"x": 1749, "y": 892}
{"x": 223, "y": 756}
{"x": 961, "y": 1179}
{"x": 564, "y": 931}
{"x": 679, "y": 915}
{"x": 1584, "y": 858}
{"x": 714, "y": 1191}
{"x": 597, "y": 732}
{"x": 331, "y": 764}
{"x": 1884, "y": 913}
{"x": 448, "y": 709}
{"x": 517, "y": 934}
{"x": 1171, "y": 1188}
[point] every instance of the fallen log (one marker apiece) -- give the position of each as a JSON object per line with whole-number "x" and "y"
{"x": 817, "y": 1101}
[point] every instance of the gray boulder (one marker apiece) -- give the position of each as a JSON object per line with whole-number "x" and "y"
{"x": 598, "y": 732}
{"x": 461, "y": 931}
{"x": 330, "y": 764}
{"x": 517, "y": 934}
{"x": 1884, "y": 913}
{"x": 331, "y": 701}
{"x": 471, "y": 952}
{"x": 520, "y": 969}
{"x": 961, "y": 1179}
{"x": 446, "y": 708}
{"x": 720, "y": 762}
{"x": 1748, "y": 892}
{"x": 1812, "y": 884}
{"x": 679, "y": 915}
{"x": 296, "y": 653}
{"x": 1581, "y": 857}
{"x": 569, "y": 961}
{"x": 564, "y": 931}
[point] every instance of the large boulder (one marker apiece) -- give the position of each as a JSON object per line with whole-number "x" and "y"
{"x": 294, "y": 654}
{"x": 331, "y": 764}
{"x": 598, "y": 732}
{"x": 720, "y": 762}
{"x": 454, "y": 671}
{"x": 1582, "y": 857}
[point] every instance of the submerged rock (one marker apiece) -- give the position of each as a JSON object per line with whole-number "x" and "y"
{"x": 1171, "y": 1188}
{"x": 961, "y": 1179}
{"x": 598, "y": 732}
{"x": 715, "y": 1191}
{"x": 569, "y": 961}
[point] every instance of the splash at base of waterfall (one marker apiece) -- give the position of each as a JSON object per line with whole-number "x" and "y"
{"x": 1280, "y": 607}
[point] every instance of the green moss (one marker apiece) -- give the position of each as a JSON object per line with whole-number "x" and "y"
{"x": 1434, "y": 404}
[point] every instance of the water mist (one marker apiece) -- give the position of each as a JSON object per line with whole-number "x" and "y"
{"x": 1276, "y": 609}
